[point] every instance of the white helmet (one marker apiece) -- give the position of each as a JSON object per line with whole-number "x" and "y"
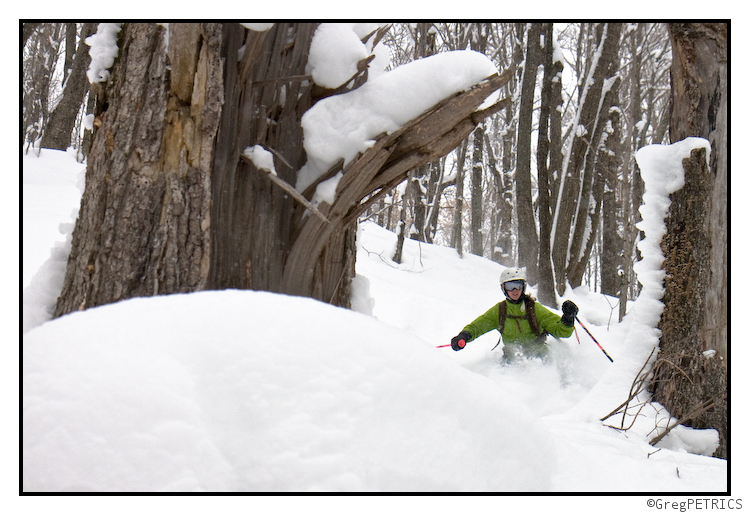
{"x": 513, "y": 274}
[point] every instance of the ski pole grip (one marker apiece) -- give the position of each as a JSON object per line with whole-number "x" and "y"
{"x": 462, "y": 343}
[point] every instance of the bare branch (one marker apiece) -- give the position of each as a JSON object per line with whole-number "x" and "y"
{"x": 296, "y": 195}
{"x": 635, "y": 388}
{"x": 697, "y": 411}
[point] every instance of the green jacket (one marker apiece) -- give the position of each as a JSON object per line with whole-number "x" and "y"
{"x": 518, "y": 330}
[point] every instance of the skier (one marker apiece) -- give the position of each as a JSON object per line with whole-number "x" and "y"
{"x": 522, "y": 322}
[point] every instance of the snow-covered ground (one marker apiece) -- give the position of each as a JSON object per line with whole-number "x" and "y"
{"x": 251, "y": 391}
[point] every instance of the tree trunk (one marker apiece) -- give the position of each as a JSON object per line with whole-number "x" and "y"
{"x": 477, "y": 171}
{"x": 398, "y": 253}
{"x": 57, "y": 134}
{"x": 528, "y": 241}
{"x": 417, "y": 189}
{"x": 611, "y": 271}
{"x": 437, "y": 186}
{"x": 143, "y": 227}
{"x": 545, "y": 148}
{"x": 478, "y": 38}
{"x": 695, "y": 313}
{"x": 252, "y": 218}
{"x": 505, "y": 236}
{"x": 458, "y": 213}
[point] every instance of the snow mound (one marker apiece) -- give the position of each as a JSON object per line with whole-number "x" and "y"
{"x": 251, "y": 391}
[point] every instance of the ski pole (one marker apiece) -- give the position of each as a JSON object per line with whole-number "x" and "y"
{"x": 596, "y": 342}
{"x": 447, "y": 345}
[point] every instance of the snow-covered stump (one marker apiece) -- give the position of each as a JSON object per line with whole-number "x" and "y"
{"x": 687, "y": 375}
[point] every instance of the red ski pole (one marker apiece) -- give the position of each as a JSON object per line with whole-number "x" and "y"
{"x": 596, "y": 342}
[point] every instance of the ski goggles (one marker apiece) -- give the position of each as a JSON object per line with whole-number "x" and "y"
{"x": 513, "y": 285}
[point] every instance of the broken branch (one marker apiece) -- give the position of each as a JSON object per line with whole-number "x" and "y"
{"x": 296, "y": 195}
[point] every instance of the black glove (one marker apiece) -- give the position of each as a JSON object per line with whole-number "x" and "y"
{"x": 570, "y": 310}
{"x": 459, "y": 342}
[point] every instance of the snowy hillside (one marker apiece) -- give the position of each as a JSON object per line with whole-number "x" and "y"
{"x": 250, "y": 391}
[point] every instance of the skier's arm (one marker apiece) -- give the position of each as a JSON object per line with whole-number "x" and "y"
{"x": 484, "y": 323}
{"x": 551, "y": 322}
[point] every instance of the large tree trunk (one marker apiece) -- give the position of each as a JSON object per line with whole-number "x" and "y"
{"x": 252, "y": 218}
{"x": 143, "y": 227}
{"x": 587, "y": 219}
{"x": 170, "y": 206}
{"x": 695, "y": 314}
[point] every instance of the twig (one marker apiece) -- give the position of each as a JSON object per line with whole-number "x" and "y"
{"x": 611, "y": 310}
{"x": 639, "y": 379}
{"x": 664, "y": 360}
{"x": 288, "y": 78}
{"x": 384, "y": 260}
{"x": 296, "y": 195}
{"x": 707, "y": 405}
{"x": 281, "y": 158}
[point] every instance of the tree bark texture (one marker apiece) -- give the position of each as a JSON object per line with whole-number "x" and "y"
{"x": 478, "y": 43}
{"x": 504, "y": 244}
{"x": 695, "y": 314}
{"x": 700, "y": 91}
{"x": 684, "y": 378}
{"x": 587, "y": 218}
{"x": 143, "y": 226}
{"x": 252, "y": 218}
